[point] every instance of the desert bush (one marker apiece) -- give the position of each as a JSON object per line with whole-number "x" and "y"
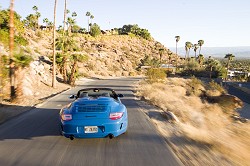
{"x": 192, "y": 65}
{"x": 195, "y": 87}
{"x": 155, "y": 74}
{"x": 214, "y": 89}
{"x": 4, "y": 36}
{"x": 95, "y": 30}
{"x": 22, "y": 60}
{"x": 39, "y": 33}
{"x": 132, "y": 73}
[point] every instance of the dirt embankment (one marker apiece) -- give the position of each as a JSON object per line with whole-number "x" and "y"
{"x": 205, "y": 133}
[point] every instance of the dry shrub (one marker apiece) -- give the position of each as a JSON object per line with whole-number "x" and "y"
{"x": 195, "y": 87}
{"x": 214, "y": 86}
{"x": 214, "y": 89}
{"x": 202, "y": 122}
{"x": 176, "y": 81}
{"x": 155, "y": 74}
{"x": 212, "y": 93}
{"x": 228, "y": 102}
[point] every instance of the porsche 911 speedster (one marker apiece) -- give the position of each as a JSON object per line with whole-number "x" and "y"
{"x": 95, "y": 113}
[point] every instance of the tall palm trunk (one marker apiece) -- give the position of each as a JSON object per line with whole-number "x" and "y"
{"x": 73, "y": 70}
{"x": 176, "y": 48}
{"x": 228, "y": 61}
{"x": 20, "y": 74}
{"x": 64, "y": 61}
{"x": 64, "y": 71}
{"x": 54, "y": 49}
{"x": 11, "y": 47}
{"x": 65, "y": 13}
{"x": 210, "y": 73}
{"x": 1, "y": 80}
{"x": 176, "y": 54}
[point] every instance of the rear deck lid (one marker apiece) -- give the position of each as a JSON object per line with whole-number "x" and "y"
{"x": 92, "y": 108}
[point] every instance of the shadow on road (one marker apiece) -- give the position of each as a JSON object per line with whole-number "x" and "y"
{"x": 34, "y": 123}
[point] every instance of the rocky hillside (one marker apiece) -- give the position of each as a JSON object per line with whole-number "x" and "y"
{"x": 108, "y": 55}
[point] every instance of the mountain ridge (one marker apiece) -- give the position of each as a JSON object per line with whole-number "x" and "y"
{"x": 218, "y": 52}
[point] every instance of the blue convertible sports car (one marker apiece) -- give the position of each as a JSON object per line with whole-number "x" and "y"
{"x": 95, "y": 113}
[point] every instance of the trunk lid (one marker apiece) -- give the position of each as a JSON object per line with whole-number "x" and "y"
{"x": 88, "y": 108}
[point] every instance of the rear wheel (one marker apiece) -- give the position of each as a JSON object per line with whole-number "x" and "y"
{"x": 61, "y": 130}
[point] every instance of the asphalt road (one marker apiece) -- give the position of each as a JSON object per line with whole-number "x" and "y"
{"x": 33, "y": 138}
{"x": 244, "y": 96}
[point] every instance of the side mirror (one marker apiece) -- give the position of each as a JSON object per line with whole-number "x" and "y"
{"x": 120, "y": 95}
{"x": 72, "y": 96}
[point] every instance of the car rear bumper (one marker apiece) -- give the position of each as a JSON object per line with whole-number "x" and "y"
{"x": 75, "y": 128}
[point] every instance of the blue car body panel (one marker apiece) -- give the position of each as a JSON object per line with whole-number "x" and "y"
{"x": 91, "y": 117}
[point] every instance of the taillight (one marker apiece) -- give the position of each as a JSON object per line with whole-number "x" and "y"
{"x": 66, "y": 117}
{"x": 115, "y": 115}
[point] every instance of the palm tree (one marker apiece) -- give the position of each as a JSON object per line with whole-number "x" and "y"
{"x": 35, "y": 8}
{"x": 188, "y": 45}
{"x": 76, "y": 58}
{"x": 66, "y": 44}
{"x": 54, "y": 48}
{"x": 195, "y": 46}
{"x": 21, "y": 62}
{"x": 65, "y": 14}
{"x": 177, "y": 39}
{"x": 11, "y": 47}
{"x": 211, "y": 64}
{"x": 91, "y": 18}
{"x": 88, "y": 14}
{"x": 161, "y": 52}
{"x": 70, "y": 22}
{"x": 46, "y": 21}
{"x": 37, "y": 15}
{"x": 200, "y": 43}
{"x": 200, "y": 59}
{"x": 229, "y": 57}
{"x": 74, "y": 14}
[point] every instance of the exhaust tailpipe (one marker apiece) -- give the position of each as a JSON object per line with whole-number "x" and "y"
{"x": 111, "y": 136}
{"x": 71, "y": 137}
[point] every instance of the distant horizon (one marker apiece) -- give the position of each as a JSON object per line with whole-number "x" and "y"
{"x": 207, "y": 46}
{"x": 217, "y": 52}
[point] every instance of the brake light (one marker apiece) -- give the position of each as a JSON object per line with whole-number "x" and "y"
{"x": 66, "y": 117}
{"x": 115, "y": 115}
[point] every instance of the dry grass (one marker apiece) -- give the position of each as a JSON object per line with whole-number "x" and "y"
{"x": 200, "y": 121}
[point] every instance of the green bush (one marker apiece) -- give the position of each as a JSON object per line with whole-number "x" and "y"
{"x": 156, "y": 74}
{"x": 21, "y": 41}
{"x": 134, "y": 29}
{"x": 95, "y": 30}
{"x": 22, "y": 60}
{"x": 4, "y": 36}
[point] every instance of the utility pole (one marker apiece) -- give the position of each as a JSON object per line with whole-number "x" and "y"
{"x": 11, "y": 47}
{"x": 54, "y": 49}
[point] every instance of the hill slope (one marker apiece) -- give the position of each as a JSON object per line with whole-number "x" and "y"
{"x": 108, "y": 55}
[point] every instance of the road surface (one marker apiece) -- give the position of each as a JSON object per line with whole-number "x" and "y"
{"x": 244, "y": 96}
{"x": 33, "y": 138}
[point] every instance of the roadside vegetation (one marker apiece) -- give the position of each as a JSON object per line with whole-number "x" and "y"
{"x": 205, "y": 113}
{"x": 79, "y": 51}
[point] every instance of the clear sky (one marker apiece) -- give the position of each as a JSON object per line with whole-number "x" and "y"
{"x": 218, "y": 22}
